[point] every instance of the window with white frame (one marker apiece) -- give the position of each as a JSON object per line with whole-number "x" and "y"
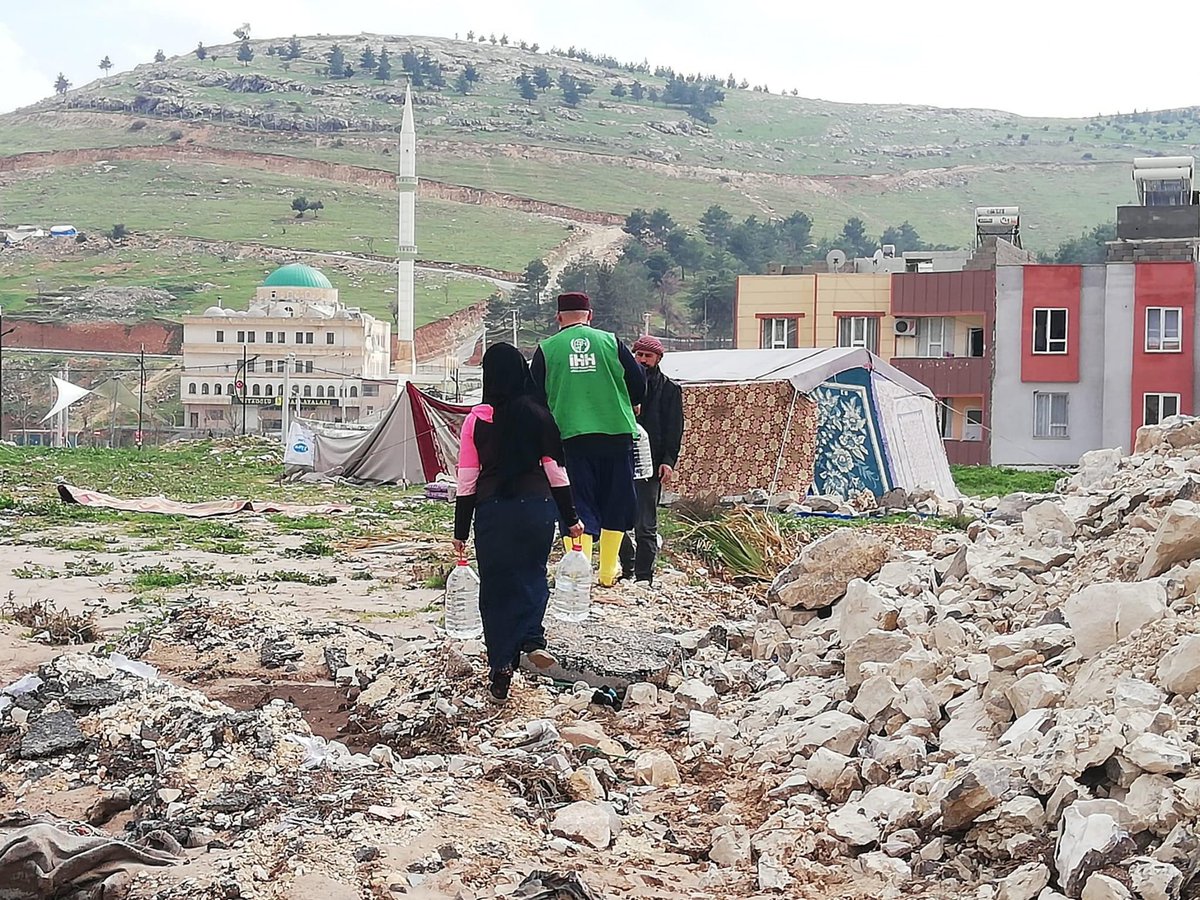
{"x": 220, "y": 336}
{"x": 1163, "y": 329}
{"x": 1049, "y": 331}
{"x": 932, "y": 333}
{"x": 1050, "y": 415}
{"x": 859, "y": 331}
{"x": 270, "y": 364}
{"x": 1156, "y": 407}
{"x": 973, "y": 427}
{"x": 779, "y": 334}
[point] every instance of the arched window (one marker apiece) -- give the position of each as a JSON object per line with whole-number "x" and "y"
{"x": 329, "y": 391}
{"x": 321, "y": 390}
{"x": 204, "y": 388}
{"x": 353, "y": 390}
{"x": 230, "y": 389}
{"x": 255, "y": 390}
{"x": 308, "y": 390}
{"x": 191, "y": 387}
{"x": 270, "y": 390}
{"x": 217, "y": 389}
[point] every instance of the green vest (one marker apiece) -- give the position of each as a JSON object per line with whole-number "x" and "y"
{"x": 585, "y": 383}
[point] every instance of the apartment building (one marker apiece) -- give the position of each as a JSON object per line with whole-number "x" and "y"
{"x": 932, "y": 314}
{"x": 1086, "y": 355}
{"x": 296, "y": 338}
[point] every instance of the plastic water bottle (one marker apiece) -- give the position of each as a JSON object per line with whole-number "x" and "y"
{"x": 572, "y": 597}
{"x": 463, "y": 622}
{"x": 643, "y": 461}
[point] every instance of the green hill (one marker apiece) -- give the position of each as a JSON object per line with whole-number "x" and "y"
{"x": 216, "y": 149}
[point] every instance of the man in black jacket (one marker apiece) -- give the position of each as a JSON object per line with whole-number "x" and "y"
{"x": 661, "y": 415}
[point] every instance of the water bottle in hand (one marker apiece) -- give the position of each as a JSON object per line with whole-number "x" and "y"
{"x": 572, "y": 597}
{"x": 643, "y": 462}
{"x": 463, "y": 622}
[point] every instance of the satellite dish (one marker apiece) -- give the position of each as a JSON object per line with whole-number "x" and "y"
{"x": 835, "y": 259}
{"x": 877, "y": 258}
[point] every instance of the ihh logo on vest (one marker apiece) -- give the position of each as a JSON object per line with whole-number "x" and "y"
{"x": 580, "y": 359}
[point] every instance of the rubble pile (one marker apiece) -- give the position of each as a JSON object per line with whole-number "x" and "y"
{"x": 1004, "y": 713}
{"x": 1011, "y": 713}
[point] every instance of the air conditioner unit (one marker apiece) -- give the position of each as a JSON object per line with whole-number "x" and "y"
{"x": 905, "y": 327}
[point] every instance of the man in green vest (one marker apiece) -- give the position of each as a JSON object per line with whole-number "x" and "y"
{"x": 592, "y": 385}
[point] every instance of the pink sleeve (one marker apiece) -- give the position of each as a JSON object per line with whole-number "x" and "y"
{"x": 556, "y": 474}
{"x": 468, "y": 454}
{"x": 468, "y": 458}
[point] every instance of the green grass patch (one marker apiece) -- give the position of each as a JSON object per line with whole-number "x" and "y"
{"x": 316, "y": 579}
{"x": 310, "y": 549}
{"x": 83, "y": 568}
{"x": 995, "y": 481}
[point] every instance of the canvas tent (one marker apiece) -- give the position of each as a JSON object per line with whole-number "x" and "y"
{"x": 827, "y": 421}
{"x": 415, "y": 440}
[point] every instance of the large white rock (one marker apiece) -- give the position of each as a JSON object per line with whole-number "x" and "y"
{"x": 834, "y": 730}
{"x": 853, "y": 826}
{"x": 1104, "y": 887}
{"x": 1179, "y": 669}
{"x": 705, "y": 728}
{"x": 1102, "y": 614}
{"x": 656, "y": 768}
{"x": 1154, "y": 804}
{"x": 862, "y": 609}
{"x": 584, "y": 784}
{"x": 875, "y": 695}
{"x": 826, "y": 767}
{"x": 1046, "y": 516}
{"x": 918, "y": 702}
{"x": 1085, "y": 845}
{"x": 591, "y": 823}
{"x": 1037, "y": 690}
{"x": 1158, "y": 755}
{"x": 694, "y": 694}
{"x": 1154, "y": 880}
{"x": 730, "y": 845}
{"x": 1176, "y": 541}
{"x": 1024, "y": 883}
{"x": 1012, "y": 651}
{"x": 875, "y": 646}
{"x": 970, "y": 729}
{"x": 820, "y": 574}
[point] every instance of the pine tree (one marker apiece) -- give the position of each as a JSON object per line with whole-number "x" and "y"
{"x": 160, "y": 57}
{"x": 383, "y": 69}
{"x": 526, "y": 89}
{"x": 293, "y": 48}
{"x": 367, "y": 61}
{"x": 106, "y": 64}
{"x": 245, "y": 54}
{"x": 337, "y": 61}
{"x": 61, "y": 85}
{"x": 201, "y": 53}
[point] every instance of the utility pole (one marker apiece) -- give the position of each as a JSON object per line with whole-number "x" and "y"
{"x": 646, "y": 322}
{"x": 285, "y": 423}
{"x": 514, "y": 323}
{"x": 141, "y": 391}
{"x": 112, "y": 427}
{"x": 242, "y": 381}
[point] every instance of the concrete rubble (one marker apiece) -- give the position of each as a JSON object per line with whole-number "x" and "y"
{"x": 945, "y": 722}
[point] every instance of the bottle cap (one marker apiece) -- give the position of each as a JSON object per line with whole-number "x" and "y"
{"x": 577, "y": 545}
{"x": 462, "y": 561}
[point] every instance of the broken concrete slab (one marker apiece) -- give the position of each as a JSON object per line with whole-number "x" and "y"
{"x": 606, "y": 655}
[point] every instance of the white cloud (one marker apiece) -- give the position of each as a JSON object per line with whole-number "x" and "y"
{"x": 21, "y": 81}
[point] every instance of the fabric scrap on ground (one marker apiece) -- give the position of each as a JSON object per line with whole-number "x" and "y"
{"x": 41, "y": 858}
{"x": 205, "y": 509}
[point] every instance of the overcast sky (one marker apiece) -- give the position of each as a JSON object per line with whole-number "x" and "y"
{"x": 1034, "y": 57}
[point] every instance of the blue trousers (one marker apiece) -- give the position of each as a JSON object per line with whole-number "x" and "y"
{"x": 512, "y": 546}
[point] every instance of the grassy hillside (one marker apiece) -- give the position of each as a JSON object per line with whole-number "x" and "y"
{"x": 766, "y": 155}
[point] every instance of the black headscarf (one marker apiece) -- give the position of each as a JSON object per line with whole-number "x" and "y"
{"x": 521, "y": 421}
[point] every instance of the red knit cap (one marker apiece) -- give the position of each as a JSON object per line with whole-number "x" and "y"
{"x": 650, "y": 344}
{"x": 574, "y": 301}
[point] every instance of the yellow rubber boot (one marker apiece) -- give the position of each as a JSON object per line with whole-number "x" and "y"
{"x": 610, "y": 563}
{"x": 585, "y": 544}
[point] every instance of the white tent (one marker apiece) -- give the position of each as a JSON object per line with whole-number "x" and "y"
{"x": 827, "y": 420}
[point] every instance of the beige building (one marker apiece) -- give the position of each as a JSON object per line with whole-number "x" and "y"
{"x": 296, "y": 337}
